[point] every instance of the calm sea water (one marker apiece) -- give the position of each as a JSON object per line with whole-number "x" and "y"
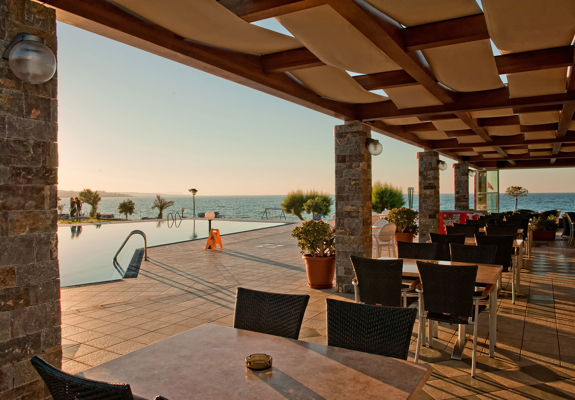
{"x": 253, "y": 206}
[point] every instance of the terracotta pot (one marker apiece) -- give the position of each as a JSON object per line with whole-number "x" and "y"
{"x": 404, "y": 237}
{"x": 320, "y": 271}
{"x": 544, "y": 235}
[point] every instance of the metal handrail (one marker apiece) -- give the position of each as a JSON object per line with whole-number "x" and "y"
{"x": 134, "y": 232}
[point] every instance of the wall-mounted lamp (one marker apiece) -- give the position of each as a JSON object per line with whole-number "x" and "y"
{"x": 472, "y": 173}
{"x": 442, "y": 165}
{"x": 373, "y": 146}
{"x": 30, "y": 59}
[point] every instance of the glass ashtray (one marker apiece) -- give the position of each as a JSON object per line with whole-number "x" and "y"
{"x": 259, "y": 361}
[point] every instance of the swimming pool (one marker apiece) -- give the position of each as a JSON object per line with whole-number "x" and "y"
{"x": 86, "y": 251}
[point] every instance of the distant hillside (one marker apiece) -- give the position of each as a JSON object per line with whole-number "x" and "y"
{"x": 73, "y": 193}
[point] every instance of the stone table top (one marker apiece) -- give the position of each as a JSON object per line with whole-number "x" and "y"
{"x": 207, "y": 362}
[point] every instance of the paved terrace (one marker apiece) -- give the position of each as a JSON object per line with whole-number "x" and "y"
{"x": 183, "y": 286}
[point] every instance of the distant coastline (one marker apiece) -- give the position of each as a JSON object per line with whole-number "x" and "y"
{"x": 73, "y": 193}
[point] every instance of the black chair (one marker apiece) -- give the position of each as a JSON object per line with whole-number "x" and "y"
{"x": 378, "y": 281}
{"x": 444, "y": 241}
{"x": 371, "y": 329}
{"x": 473, "y": 254}
{"x": 504, "y": 248}
{"x": 467, "y": 230}
{"x": 272, "y": 313}
{"x": 448, "y": 295}
{"x": 422, "y": 251}
{"x": 502, "y": 229}
{"x": 63, "y": 386}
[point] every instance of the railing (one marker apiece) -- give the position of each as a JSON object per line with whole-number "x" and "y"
{"x": 271, "y": 212}
{"x": 135, "y": 232}
{"x": 171, "y": 218}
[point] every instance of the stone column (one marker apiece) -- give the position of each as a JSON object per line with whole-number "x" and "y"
{"x": 461, "y": 189}
{"x": 352, "y": 199}
{"x": 29, "y": 276}
{"x": 428, "y": 194}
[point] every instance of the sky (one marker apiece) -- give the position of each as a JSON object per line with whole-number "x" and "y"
{"x": 131, "y": 121}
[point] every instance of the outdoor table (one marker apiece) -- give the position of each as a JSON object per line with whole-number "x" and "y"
{"x": 487, "y": 276}
{"x": 207, "y": 362}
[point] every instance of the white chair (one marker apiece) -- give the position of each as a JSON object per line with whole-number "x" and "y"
{"x": 385, "y": 237}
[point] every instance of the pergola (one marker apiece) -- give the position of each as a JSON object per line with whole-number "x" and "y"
{"x": 491, "y": 87}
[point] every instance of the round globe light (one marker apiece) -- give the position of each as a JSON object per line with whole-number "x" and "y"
{"x": 30, "y": 59}
{"x": 374, "y": 147}
{"x": 472, "y": 172}
{"x": 442, "y": 165}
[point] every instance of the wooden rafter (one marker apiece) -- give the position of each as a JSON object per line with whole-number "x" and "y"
{"x": 388, "y": 38}
{"x": 385, "y": 80}
{"x": 526, "y": 156}
{"x": 290, "y": 60}
{"x": 525, "y": 164}
{"x": 534, "y": 60}
{"x": 503, "y": 141}
{"x": 255, "y": 10}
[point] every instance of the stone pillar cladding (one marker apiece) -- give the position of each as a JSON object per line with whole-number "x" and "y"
{"x": 352, "y": 199}
{"x": 461, "y": 189}
{"x": 428, "y": 194}
{"x": 30, "y": 317}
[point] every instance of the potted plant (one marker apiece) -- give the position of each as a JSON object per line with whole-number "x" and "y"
{"x": 316, "y": 239}
{"x": 405, "y": 220}
{"x": 544, "y": 228}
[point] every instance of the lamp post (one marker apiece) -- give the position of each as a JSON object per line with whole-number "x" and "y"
{"x": 193, "y": 191}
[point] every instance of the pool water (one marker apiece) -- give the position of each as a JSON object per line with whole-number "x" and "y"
{"x": 86, "y": 252}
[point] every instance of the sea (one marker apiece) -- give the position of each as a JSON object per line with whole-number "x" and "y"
{"x": 254, "y": 207}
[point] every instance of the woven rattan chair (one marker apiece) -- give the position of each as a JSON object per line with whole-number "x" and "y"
{"x": 448, "y": 295}
{"x": 272, "y": 313}
{"x": 444, "y": 241}
{"x": 385, "y": 237}
{"x": 467, "y": 230}
{"x": 570, "y": 221}
{"x": 473, "y": 254}
{"x": 422, "y": 251}
{"x": 371, "y": 329}
{"x": 502, "y": 229}
{"x": 504, "y": 248}
{"x": 63, "y": 386}
{"x": 377, "y": 281}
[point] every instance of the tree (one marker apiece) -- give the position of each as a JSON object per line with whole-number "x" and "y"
{"x": 385, "y": 196}
{"x": 126, "y": 207}
{"x": 193, "y": 191}
{"x": 297, "y": 202}
{"x": 516, "y": 191}
{"x": 161, "y": 204}
{"x": 92, "y": 198}
{"x": 320, "y": 205}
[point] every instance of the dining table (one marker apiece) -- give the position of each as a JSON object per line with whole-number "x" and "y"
{"x": 487, "y": 278}
{"x": 208, "y": 362}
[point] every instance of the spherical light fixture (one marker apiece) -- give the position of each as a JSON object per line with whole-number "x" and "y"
{"x": 442, "y": 165}
{"x": 30, "y": 59}
{"x": 472, "y": 173}
{"x": 374, "y": 147}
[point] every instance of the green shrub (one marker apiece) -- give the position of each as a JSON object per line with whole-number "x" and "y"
{"x": 320, "y": 204}
{"x": 297, "y": 202}
{"x": 545, "y": 224}
{"x": 385, "y": 196}
{"x": 316, "y": 238}
{"x": 404, "y": 218}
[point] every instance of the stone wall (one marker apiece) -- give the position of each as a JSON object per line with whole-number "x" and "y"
{"x": 461, "y": 185}
{"x": 428, "y": 194}
{"x": 29, "y": 275}
{"x": 352, "y": 199}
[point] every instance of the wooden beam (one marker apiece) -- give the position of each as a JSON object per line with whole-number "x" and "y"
{"x": 255, "y": 10}
{"x": 502, "y": 141}
{"x": 469, "y": 121}
{"x": 444, "y": 33}
{"x": 460, "y": 133}
{"x": 556, "y": 148}
{"x": 104, "y": 18}
{"x": 398, "y": 132}
{"x": 472, "y": 101}
{"x": 385, "y": 80}
{"x": 388, "y": 38}
{"x": 527, "y": 157}
{"x": 534, "y": 60}
{"x": 565, "y": 119}
{"x": 498, "y": 121}
{"x": 539, "y": 128}
{"x": 290, "y": 60}
{"x": 530, "y": 109}
{"x": 527, "y": 164}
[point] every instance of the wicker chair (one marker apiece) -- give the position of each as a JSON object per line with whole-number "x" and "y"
{"x": 467, "y": 230}
{"x": 371, "y": 329}
{"x": 448, "y": 295}
{"x": 502, "y": 229}
{"x": 444, "y": 241}
{"x": 378, "y": 281}
{"x": 473, "y": 254}
{"x": 385, "y": 237}
{"x": 569, "y": 220}
{"x": 271, "y": 313}
{"x": 63, "y": 386}
{"x": 504, "y": 248}
{"x": 422, "y": 251}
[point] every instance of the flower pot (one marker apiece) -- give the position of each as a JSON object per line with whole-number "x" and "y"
{"x": 320, "y": 271}
{"x": 544, "y": 235}
{"x": 404, "y": 237}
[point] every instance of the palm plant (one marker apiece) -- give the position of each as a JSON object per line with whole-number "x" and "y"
{"x": 126, "y": 207}
{"x": 193, "y": 191}
{"x": 161, "y": 204}
{"x": 516, "y": 191}
{"x": 92, "y": 197}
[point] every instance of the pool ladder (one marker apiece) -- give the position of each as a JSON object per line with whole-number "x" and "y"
{"x": 117, "y": 264}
